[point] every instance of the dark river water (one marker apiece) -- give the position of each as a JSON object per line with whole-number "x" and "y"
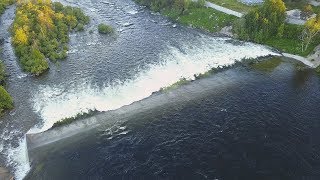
{"x": 266, "y": 124}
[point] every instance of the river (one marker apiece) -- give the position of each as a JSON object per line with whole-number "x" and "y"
{"x": 107, "y": 72}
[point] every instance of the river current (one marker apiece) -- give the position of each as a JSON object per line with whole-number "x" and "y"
{"x": 104, "y": 73}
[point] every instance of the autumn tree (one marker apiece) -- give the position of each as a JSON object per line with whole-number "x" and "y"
{"x": 40, "y": 32}
{"x": 311, "y": 30}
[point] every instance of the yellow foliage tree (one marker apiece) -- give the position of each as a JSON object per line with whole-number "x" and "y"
{"x": 20, "y": 37}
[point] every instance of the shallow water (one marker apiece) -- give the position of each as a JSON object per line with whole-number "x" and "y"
{"x": 106, "y": 72}
{"x": 252, "y": 125}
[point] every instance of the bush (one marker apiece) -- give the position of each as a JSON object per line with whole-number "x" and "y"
{"x": 5, "y": 100}
{"x": 105, "y": 29}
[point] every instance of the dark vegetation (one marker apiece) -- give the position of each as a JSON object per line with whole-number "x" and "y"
{"x": 40, "y": 32}
{"x": 6, "y": 101}
{"x": 105, "y": 29}
{"x": 4, "y": 4}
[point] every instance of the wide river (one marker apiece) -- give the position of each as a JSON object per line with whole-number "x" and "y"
{"x": 146, "y": 53}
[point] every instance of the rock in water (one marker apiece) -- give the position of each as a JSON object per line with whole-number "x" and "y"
{"x": 5, "y": 174}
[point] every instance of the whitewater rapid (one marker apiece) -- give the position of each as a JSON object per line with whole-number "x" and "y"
{"x": 58, "y": 102}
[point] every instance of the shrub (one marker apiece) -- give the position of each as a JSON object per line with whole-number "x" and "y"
{"x": 105, "y": 29}
{"x": 5, "y": 100}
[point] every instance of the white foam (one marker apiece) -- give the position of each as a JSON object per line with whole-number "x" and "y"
{"x": 54, "y": 103}
{"x": 132, "y": 12}
{"x": 18, "y": 158}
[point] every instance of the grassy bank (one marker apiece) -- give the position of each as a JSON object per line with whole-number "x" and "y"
{"x": 190, "y": 13}
{"x": 4, "y": 4}
{"x": 203, "y": 18}
{"x": 290, "y": 42}
{"x": 40, "y": 31}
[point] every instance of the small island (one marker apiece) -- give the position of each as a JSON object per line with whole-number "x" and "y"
{"x": 105, "y": 29}
{"x": 41, "y": 31}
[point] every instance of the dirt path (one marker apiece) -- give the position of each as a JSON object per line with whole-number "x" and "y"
{"x": 223, "y": 9}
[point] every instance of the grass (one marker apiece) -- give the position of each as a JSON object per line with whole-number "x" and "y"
{"x": 203, "y": 18}
{"x": 69, "y": 120}
{"x": 234, "y": 5}
{"x": 267, "y": 65}
{"x": 175, "y": 85}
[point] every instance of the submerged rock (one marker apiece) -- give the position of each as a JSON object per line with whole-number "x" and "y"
{"x": 5, "y": 174}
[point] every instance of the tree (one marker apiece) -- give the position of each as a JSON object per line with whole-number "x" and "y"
{"x": 20, "y": 37}
{"x": 264, "y": 22}
{"x": 311, "y": 30}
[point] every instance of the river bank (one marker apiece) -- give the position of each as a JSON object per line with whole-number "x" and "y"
{"x": 198, "y": 19}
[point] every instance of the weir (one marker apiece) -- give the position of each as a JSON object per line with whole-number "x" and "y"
{"x": 41, "y": 143}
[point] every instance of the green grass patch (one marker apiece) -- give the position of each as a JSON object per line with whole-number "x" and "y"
{"x": 69, "y": 120}
{"x": 175, "y": 85}
{"x": 267, "y": 65}
{"x": 201, "y": 17}
{"x": 234, "y": 5}
{"x": 290, "y": 42}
